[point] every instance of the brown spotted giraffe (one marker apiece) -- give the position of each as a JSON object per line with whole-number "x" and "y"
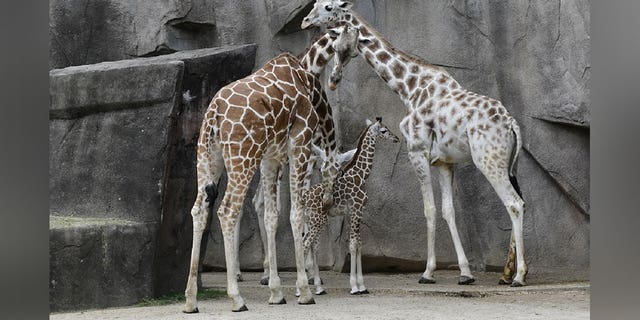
{"x": 252, "y": 123}
{"x": 314, "y": 61}
{"x": 262, "y": 120}
{"x": 444, "y": 124}
{"x": 349, "y": 196}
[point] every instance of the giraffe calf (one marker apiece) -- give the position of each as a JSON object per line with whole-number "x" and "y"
{"x": 349, "y": 196}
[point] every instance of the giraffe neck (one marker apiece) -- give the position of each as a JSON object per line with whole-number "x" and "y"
{"x": 314, "y": 61}
{"x": 404, "y": 73}
{"x": 316, "y": 58}
{"x": 363, "y": 159}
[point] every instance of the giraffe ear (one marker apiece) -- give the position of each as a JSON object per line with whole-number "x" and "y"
{"x": 334, "y": 33}
{"x": 369, "y": 122}
{"x": 318, "y": 152}
{"x": 345, "y": 4}
{"x": 347, "y": 156}
{"x": 365, "y": 41}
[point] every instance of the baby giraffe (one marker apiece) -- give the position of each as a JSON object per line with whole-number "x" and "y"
{"x": 349, "y": 195}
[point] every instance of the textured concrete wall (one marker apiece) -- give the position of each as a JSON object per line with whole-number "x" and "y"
{"x": 122, "y": 172}
{"x": 532, "y": 55}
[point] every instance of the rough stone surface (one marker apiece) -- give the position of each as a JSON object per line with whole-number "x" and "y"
{"x": 89, "y": 144}
{"x": 85, "y": 32}
{"x": 122, "y": 148}
{"x": 532, "y": 55}
{"x": 206, "y": 71}
{"x": 98, "y": 263}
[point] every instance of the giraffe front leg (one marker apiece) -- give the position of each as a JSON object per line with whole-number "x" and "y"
{"x": 420, "y": 162}
{"x": 317, "y": 223}
{"x": 353, "y": 252}
{"x": 317, "y": 281}
{"x": 297, "y": 174}
{"x": 359, "y": 277}
{"x": 360, "y": 198}
{"x": 448, "y": 213}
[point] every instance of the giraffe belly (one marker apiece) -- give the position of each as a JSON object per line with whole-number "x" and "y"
{"x": 450, "y": 148}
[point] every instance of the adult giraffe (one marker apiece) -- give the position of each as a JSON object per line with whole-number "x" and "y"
{"x": 258, "y": 122}
{"x": 445, "y": 124}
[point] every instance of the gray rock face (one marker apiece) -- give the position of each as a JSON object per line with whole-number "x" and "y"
{"x": 86, "y": 32}
{"x": 99, "y": 263}
{"x": 122, "y": 151}
{"x": 531, "y": 55}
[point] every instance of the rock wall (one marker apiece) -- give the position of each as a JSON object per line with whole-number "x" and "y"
{"x": 532, "y": 55}
{"x": 122, "y": 172}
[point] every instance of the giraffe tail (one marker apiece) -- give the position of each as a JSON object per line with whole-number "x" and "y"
{"x": 512, "y": 166}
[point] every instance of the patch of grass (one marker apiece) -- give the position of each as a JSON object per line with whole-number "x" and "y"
{"x": 204, "y": 294}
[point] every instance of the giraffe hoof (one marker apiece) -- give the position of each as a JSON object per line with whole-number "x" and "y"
{"x": 321, "y": 293}
{"x": 264, "y": 281}
{"x": 355, "y": 293}
{"x": 503, "y": 282}
{"x": 464, "y": 280}
{"x": 191, "y": 311}
{"x": 365, "y": 291}
{"x": 424, "y": 280}
{"x": 311, "y": 301}
{"x": 283, "y": 301}
{"x": 516, "y": 284}
{"x": 243, "y": 308}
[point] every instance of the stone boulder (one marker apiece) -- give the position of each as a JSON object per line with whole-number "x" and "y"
{"x": 122, "y": 175}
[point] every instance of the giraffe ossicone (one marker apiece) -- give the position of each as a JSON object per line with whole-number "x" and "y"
{"x": 444, "y": 124}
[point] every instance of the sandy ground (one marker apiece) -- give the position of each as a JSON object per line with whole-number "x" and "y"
{"x": 393, "y": 296}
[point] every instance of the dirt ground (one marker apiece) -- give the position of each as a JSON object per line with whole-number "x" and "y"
{"x": 393, "y": 296}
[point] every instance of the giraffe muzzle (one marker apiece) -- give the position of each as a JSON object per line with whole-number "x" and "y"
{"x": 306, "y": 23}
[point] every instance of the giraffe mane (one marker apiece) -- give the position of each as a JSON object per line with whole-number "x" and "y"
{"x": 353, "y": 160}
{"x": 315, "y": 39}
{"x": 409, "y": 56}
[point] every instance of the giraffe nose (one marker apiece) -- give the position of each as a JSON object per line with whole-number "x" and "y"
{"x": 306, "y": 22}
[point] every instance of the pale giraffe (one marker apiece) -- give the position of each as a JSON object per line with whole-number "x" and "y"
{"x": 260, "y": 121}
{"x": 349, "y": 197}
{"x": 444, "y": 124}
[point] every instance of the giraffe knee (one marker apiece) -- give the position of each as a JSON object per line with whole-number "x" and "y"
{"x": 353, "y": 245}
{"x": 515, "y": 208}
{"x": 448, "y": 213}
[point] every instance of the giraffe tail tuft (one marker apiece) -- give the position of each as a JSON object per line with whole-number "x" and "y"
{"x": 512, "y": 177}
{"x": 212, "y": 193}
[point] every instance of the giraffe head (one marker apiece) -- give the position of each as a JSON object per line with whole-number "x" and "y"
{"x": 377, "y": 129}
{"x": 345, "y": 45}
{"x": 331, "y": 164}
{"x": 326, "y": 12}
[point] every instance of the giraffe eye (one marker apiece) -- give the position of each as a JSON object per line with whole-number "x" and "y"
{"x": 383, "y": 130}
{"x": 328, "y": 7}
